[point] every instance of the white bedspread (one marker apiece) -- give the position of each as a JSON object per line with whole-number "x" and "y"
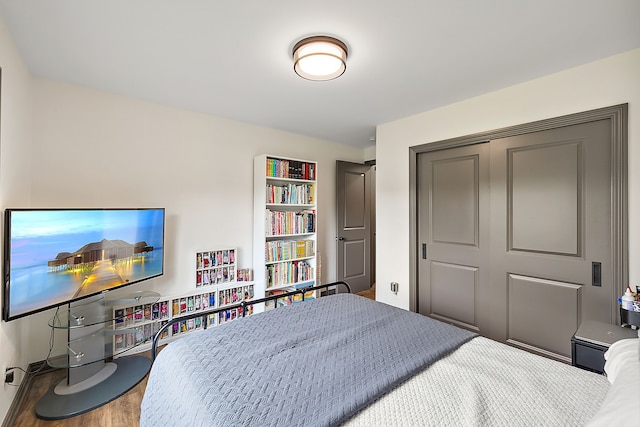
{"x": 485, "y": 383}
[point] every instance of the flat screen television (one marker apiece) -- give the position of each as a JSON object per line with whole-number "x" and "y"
{"x": 57, "y": 256}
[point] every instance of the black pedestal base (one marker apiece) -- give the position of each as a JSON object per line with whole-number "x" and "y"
{"x": 130, "y": 371}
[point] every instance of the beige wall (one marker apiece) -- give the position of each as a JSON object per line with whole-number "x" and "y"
{"x": 15, "y": 152}
{"x": 604, "y": 83}
{"x": 67, "y": 146}
{"x": 95, "y": 149}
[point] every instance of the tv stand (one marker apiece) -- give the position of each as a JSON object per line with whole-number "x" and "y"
{"x": 94, "y": 377}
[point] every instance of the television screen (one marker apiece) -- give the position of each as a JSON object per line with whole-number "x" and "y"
{"x": 56, "y": 256}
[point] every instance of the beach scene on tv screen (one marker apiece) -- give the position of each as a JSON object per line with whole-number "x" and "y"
{"x": 57, "y": 256}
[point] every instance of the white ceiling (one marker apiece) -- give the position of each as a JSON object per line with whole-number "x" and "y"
{"x": 232, "y": 58}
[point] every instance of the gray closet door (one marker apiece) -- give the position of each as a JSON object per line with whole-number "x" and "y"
{"x": 550, "y": 222}
{"x": 517, "y": 235}
{"x": 453, "y": 206}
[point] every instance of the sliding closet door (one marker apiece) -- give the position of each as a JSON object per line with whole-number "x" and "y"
{"x": 514, "y": 235}
{"x": 453, "y": 206}
{"x": 550, "y": 234}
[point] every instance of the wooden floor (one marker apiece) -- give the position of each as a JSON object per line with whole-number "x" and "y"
{"x": 122, "y": 412}
{"x": 369, "y": 293}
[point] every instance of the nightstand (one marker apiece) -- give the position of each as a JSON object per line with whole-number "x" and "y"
{"x": 631, "y": 318}
{"x": 592, "y": 340}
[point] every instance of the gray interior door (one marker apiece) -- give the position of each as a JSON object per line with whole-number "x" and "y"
{"x": 517, "y": 234}
{"x": 353, "y": 236}
{"x": 372, "y": 258}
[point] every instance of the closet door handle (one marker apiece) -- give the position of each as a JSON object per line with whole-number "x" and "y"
{"x": 424, "y": 251}
{"x": 596, "y": 274}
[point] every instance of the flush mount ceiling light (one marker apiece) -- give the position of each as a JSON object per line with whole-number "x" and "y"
{"x": 319, "y": 58}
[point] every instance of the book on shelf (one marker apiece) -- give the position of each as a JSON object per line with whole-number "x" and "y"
{"x": 279, "y": 223}
{"x": 292, "y": 169}
{"x": 283, "y": 250}
{"x": 289, "y": 272}
{"x": 290, "y": 194}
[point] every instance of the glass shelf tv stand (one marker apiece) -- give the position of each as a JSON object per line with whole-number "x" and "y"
{"x": 94, "y": 377}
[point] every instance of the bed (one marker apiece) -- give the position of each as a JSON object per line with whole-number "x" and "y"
{"x": 347, "y": 360}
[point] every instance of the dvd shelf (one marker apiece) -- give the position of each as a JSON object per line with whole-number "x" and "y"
{"x": 231, "y": 293}
{"x": 215, "y": 267}
{"x": 218, "y": 283}
{"x": 136, "y": 324}
{"x": 285, "y": 225}
{"x": 189, "y": 304}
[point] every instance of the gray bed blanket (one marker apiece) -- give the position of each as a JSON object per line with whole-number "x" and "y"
{"x": 312, "y": 364}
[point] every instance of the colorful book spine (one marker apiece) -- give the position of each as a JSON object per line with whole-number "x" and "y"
{"x": 279, "y": 223}
{"x": 284, "y": 250}
{"x": 291, "y": 194}
{"x": 287, "y": 273}
{"x": 291, "y": 169}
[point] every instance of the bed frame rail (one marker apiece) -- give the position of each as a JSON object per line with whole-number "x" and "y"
{"x": 243, "y": 305}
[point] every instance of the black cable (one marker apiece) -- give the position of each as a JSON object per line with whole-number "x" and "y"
{"x": 55, "y": 320}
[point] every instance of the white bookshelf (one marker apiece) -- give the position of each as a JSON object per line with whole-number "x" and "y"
{"x": 285, "y": 224}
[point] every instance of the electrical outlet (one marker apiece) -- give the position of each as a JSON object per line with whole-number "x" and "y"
{"x": 8, "y": 376}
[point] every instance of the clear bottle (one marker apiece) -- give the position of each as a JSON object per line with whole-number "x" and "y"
{"x": 627, "y": 300}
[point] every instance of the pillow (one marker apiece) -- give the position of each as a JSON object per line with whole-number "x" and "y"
{"x": 620, "y": 354}
{"x": 620, "y": 405}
